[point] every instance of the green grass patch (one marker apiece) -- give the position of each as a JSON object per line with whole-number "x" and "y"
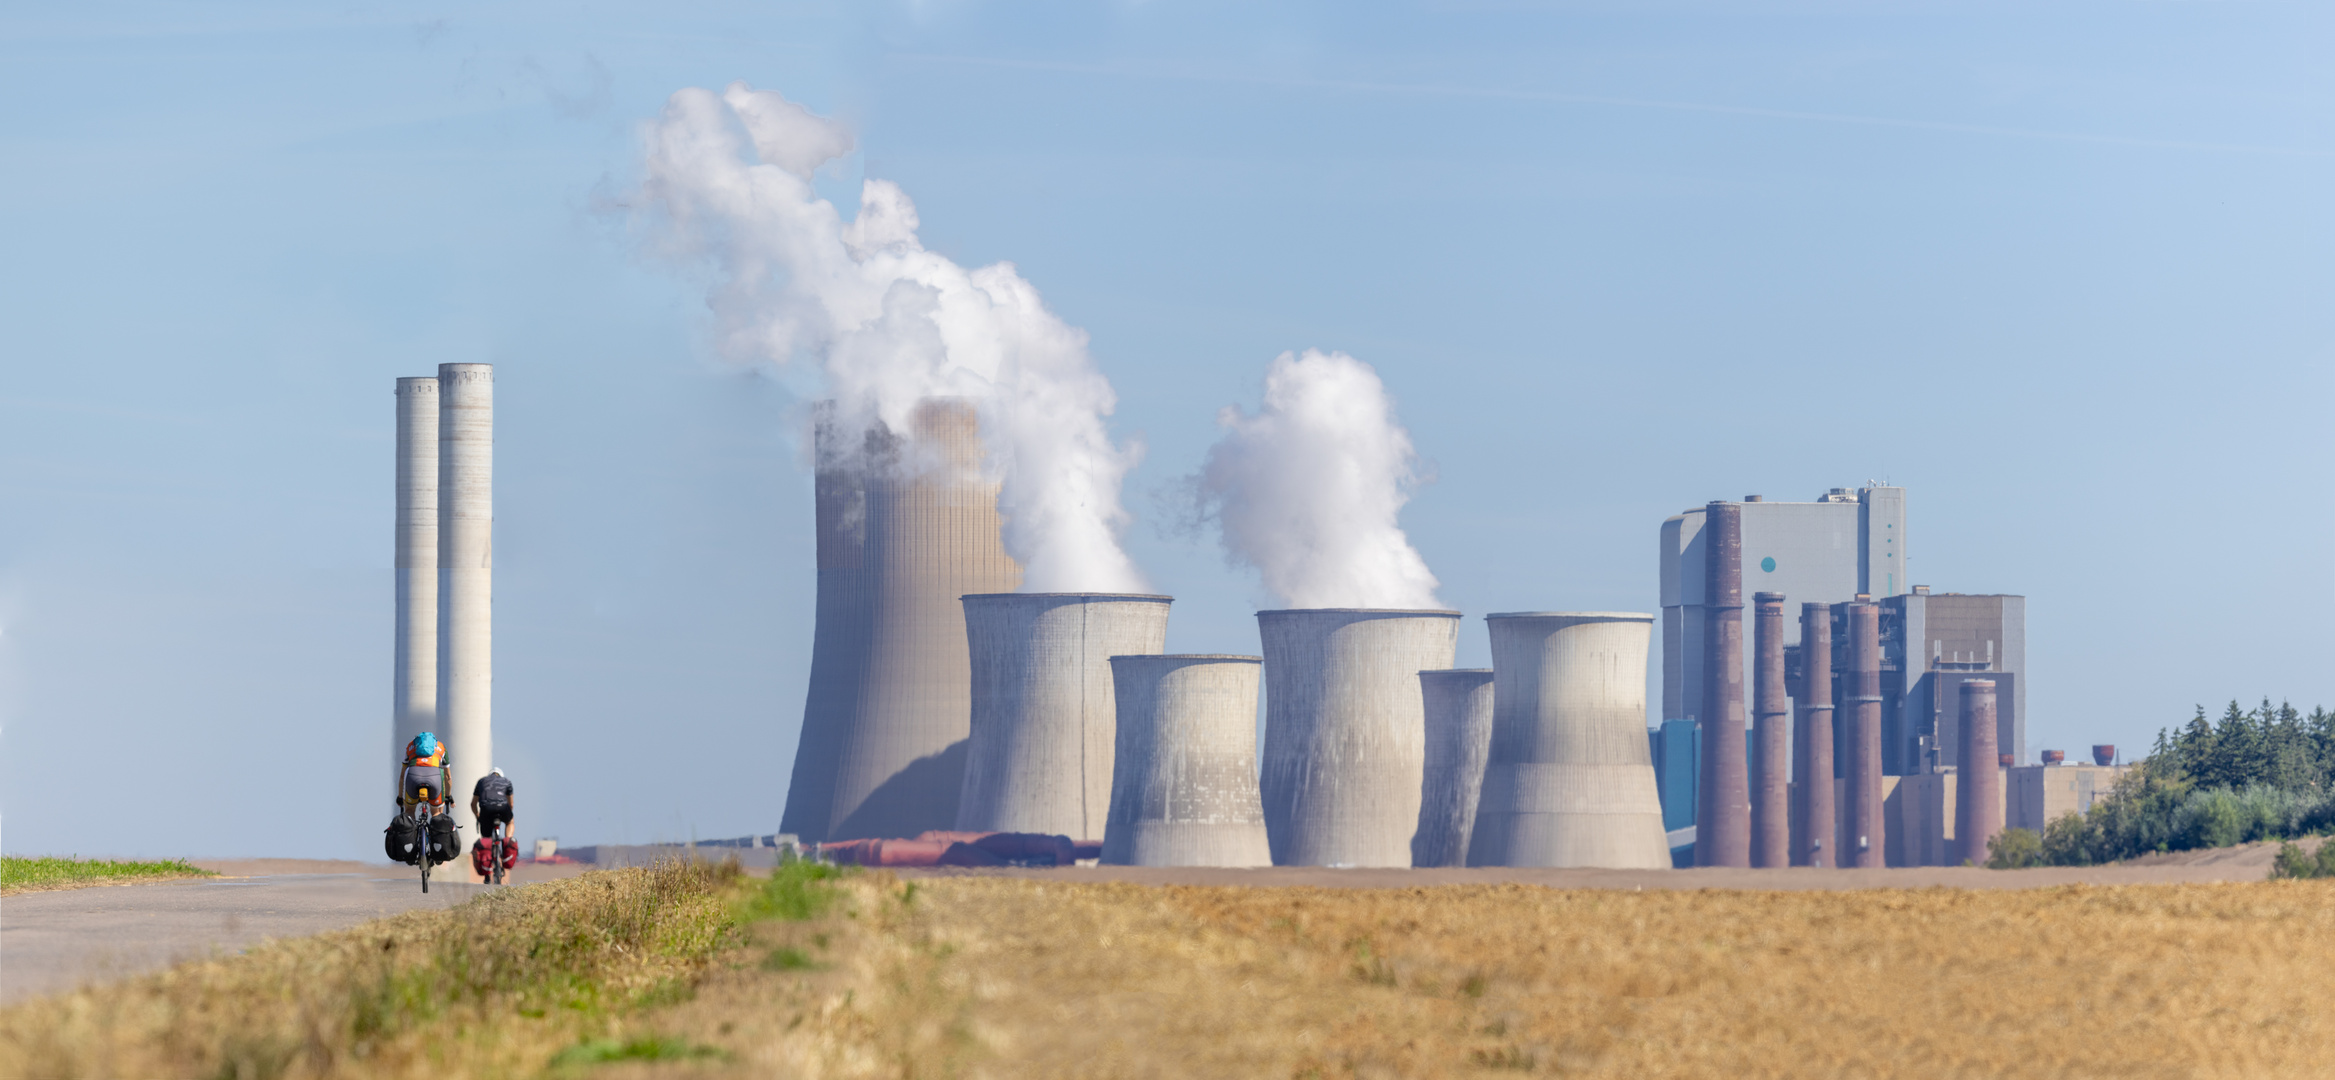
{"x": 787, "y": 958}
{"x": 44, "y": 872}
{"x": 797, "y": 890}
{"x": 643, "y": 1048}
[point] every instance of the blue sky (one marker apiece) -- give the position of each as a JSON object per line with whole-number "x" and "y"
{"x": 2061, "y": 270}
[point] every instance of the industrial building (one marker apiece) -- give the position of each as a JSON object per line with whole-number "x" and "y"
{"x": 1345, "y": 730}
{"x": 1932, "y": 643}
{"x": 1185, "y": 791}
{"x": 1043, "y": 712}
{"x": 907, "y": 524}
{"x": 1459, "y": 742}
{"x": 1568, "y": 782}
{"x": 1826, "y": 551}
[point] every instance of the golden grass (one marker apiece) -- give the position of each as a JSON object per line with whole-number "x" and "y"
{"x": 22, "y": 873}
{"x": 1014, "y": 978}
{"x": 997, "y": 977}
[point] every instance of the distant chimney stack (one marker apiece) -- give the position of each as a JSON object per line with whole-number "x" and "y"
{"x": 2103, "y": 754}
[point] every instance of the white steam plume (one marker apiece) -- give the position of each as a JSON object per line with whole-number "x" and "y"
{"x": 728, "y": 184}
{"x": 1307, "y": 489}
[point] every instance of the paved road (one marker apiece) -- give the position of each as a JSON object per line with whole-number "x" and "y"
{"x": 52, "y": 941}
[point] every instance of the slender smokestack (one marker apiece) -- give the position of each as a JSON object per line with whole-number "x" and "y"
{"x": 1459, "y": 739}
{"x": 906, "y": 526}
{"x": 1571, "y": 779}
{"x": 1185, "y": 793}
{"x": 1816, "y": 825}
{"x": 1723, "y": 797}
{"x": 1864, "y": 738}
{"x": 1978, "y": 791}
{"x": 1771, "y": 788}
{"x": 413, "y": 695}
{"x": 466, "y": 575}
{"x": 1039, "y": 758}
{"x": 1346, "y": 730}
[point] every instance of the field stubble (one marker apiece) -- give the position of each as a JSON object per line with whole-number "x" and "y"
{"x": 868, "y": 976}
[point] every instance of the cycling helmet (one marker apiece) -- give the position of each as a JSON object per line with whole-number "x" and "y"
{"x": 423, "y": 745}
{"x": 498, "y": 771}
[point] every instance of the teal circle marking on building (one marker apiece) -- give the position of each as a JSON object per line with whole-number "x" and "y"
{"x": 1768, "y": 564}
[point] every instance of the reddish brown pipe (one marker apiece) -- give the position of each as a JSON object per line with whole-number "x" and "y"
{"x": 1723, "y": 796}
{"x": 1978, "y": 792}
{"x": 1866, "y": 829}
{"x": 1771, "y": 786}
{"x": 1816, "y": 825}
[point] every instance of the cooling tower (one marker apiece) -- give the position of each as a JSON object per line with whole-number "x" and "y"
{"x": 1814, "y": 816}
{"x": 413, "y": 693}
{"x": 1570, "y": 781}
{"x": 466, "y": 575}
{"x": 1771, "y": 777}
{"x": 1723, "y": 795}
{"x": 1186, "y": 763}
{"x": 1863, "y": 683}
{"x": 1345, "y": 730}
{"x": 1978, "y": 792}
{"x": 906, "y": 526}
{"x": 1039, "y": 759}
{"x": 1459, "y": 740}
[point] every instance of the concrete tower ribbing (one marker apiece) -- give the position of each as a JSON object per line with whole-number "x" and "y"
{"x": 1345, "y": 730}
{"x": 1723, "y": 796}
{"x": 1570, "y": 780}
{"x": 1978, "y": 794}
{"x": 1043, "y": 715}
{"x": 1459, "y": 741}
{"x": 1771, "y": 777}
{"x": 1185, "y": 791}
{"x": 413, "y": 695}
{"x": 1815, "y": 828}
{"x": 906, "y": 526}
{"x": 1862, "y": 680}
{"x": 466, "y": 575}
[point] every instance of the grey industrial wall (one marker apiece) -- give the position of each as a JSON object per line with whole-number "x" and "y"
{"x": 1185, "y": 786}
{"x": 906, "y": 526}
{"x": 1459, "y": 741}
{"x": 1043, "y": 715}
{"x": 1570, "y": 781}
{"x": 1345, "y": 730}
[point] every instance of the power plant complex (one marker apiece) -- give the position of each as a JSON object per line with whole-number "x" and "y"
{"x": 949, "y": 712}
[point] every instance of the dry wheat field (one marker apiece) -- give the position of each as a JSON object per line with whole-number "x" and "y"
{"x": 870, "y": 976}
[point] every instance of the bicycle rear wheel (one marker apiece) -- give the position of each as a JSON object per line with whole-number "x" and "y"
{"x": 425, "y": 852}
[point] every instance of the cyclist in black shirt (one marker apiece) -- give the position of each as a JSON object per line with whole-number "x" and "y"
{"x": 490, "y": 803}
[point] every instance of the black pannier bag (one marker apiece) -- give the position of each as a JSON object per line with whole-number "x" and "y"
{"x": 442, "y": 839}
{"x": 402, "y": 840}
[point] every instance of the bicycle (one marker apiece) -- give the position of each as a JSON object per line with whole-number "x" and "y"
{"x": 421, "y": 815}
{"x": 494, "y": 848}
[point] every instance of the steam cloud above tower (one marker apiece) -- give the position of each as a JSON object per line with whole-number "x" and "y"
{"x": 728, "y": 185}
{"x": 1307, "y": 489}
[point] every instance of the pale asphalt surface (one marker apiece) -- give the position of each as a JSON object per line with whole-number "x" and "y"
{"x": 56, "y": 941}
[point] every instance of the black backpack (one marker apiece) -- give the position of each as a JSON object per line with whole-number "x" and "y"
{"x": 402, "y": 840}
{"x": 493, "y": 790}
{"x": 442, "y": 839}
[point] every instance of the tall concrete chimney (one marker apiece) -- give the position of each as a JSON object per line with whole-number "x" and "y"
{"x": 1570, "y": 781}
{"x": 1459, "y": 740}
{"x": 1723, "y": 796}
{"x": 1978, "y": 789}
{"x": 1346, "y": 730}
{"x": 906, "y": 525}
{"x": 1185, "y": 792}
{"x": 1043, "y": 716}
{"x": 466, "y": 575}
{"x": 1771, "y": 786}
{"x": 413, "y": 692}
{"x": 1863, "y": 684}
{"x": 1815, "y": 820}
